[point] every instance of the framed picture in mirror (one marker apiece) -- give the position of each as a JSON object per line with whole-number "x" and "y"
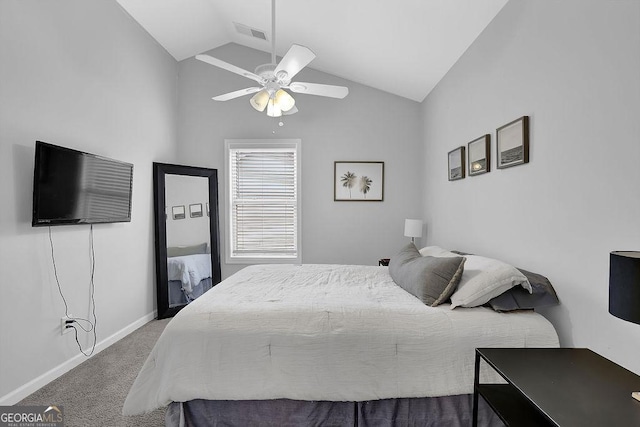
{"x": 195, "y": 210}
{"x": 178, "y": 212}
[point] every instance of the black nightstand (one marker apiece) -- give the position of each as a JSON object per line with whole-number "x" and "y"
{"x": 383, "y": 261}
{"x": 557, "y": 387}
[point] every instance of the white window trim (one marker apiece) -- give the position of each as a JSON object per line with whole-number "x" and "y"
{"x": 231, "y": 144}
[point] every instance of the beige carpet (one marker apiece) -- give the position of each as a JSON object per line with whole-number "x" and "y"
{"x": 92, "y": 393}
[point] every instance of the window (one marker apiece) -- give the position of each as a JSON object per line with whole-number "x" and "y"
{"x": 263, "y": 207}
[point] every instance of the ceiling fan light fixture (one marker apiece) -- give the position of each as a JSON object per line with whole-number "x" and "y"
{"x": 290, "y": 112}
{"x": 283, "y": 100}
{"x": 273, "y": 110}
{"x": 260, "y": 100}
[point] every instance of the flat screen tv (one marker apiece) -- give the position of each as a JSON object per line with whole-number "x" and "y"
{"x": 73, "y": 187}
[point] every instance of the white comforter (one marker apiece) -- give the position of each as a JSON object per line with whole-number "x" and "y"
{"x": 189, "y": 269}
{"x": 322, "y": 332}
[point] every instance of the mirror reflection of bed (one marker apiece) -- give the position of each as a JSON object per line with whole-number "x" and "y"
{"x": 188, "y": 242}
{"x": 189, "y": 273}
{"x": 186, "y": 234}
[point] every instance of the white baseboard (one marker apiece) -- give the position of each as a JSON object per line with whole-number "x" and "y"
{"x": 21, "y": 392}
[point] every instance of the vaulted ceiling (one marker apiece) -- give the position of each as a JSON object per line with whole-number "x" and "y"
{"x": 399, "y": 46}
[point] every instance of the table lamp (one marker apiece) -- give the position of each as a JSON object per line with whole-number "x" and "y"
{"x": 624, "y": 288}
{"x": 413, "y": 228}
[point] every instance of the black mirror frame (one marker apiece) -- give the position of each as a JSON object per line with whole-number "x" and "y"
{"x": 160, "y": 170}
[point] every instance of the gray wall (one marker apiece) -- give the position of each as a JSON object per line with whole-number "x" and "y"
{"x": 84, "y": 75}
{"x": 573, "y": 67}
{"x": 367, "y": 125}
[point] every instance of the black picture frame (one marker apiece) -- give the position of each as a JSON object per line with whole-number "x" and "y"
{"x": 456, "y": 164}
{"x": 512, "y": 143}
{"x": 479, "y": 155}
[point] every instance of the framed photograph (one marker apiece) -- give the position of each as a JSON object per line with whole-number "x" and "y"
{"x": 456, "y": 164}
{"x": 479, "y": 155}
{"x": 178, "y": 212}
{"x": 358, "y": 181}
{"x": 195, "y": 210}
{"x": 512, "y": 143}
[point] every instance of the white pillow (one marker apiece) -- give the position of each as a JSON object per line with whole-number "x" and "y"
{"x": 485, "y": 278}
{"x": 436, "y": 251}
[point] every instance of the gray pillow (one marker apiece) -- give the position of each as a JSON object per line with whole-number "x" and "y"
{"x": 187, "y": 250}
{"x": 542, "y": 295}
{"x": 430, "y": 279}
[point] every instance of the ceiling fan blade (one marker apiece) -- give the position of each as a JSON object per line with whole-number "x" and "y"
{"x": 236, "y": 94}
{"x": 296, "y": 58}
{"x": 229, "y": 67}
{"x": 319, "y": 89}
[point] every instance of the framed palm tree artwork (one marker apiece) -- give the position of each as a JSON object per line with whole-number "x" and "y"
{"x": 358, "y": 181}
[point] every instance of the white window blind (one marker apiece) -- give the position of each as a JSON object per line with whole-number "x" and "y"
{"x": 263, "y": 200}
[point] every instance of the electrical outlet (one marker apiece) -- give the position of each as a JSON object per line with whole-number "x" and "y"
{"x": 64, "y": 322}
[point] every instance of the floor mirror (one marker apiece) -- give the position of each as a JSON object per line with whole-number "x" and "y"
{"x": 187, "y": 242}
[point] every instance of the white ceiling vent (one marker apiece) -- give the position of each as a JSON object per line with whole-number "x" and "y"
{"x": 251, "y": 32}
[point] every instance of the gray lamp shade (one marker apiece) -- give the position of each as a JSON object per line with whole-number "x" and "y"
{"x": 624, "y": 285}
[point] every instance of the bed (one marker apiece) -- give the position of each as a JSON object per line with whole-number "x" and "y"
{"x": 189, "y": 277}
{"x": 324, "y": 344}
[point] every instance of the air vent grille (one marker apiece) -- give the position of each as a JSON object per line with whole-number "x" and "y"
{"x": 251, "y": 32}
{"x": 258, "y": 34}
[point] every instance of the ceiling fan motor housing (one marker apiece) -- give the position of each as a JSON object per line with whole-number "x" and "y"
{"x": 267, "y": 72}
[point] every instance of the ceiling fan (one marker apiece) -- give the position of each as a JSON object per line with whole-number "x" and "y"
{"x": 274, "y": 78}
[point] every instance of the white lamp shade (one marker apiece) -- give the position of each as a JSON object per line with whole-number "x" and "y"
{"x": 272, "y": 109}
{"x": 413, "y": 227}
{"x": 284, "y": 101}
{"x": 259, "y": 100}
